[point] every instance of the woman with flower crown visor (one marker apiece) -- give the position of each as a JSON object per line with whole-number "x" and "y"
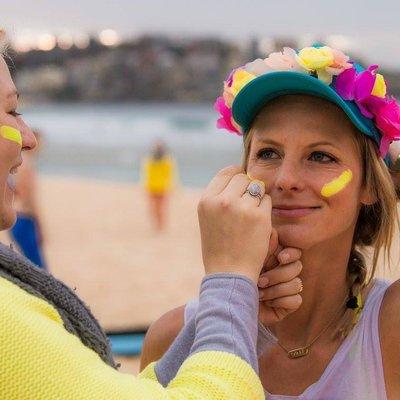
{"x": 317, "y": 129}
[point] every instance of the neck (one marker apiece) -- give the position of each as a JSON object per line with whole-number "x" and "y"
{"x": 324, "y": 277}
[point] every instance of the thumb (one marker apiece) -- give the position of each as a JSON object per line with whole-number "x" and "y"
{"x": 273, "y": 247}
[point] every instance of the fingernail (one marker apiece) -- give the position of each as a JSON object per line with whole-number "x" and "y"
{"x": 285, "y": 257}
{"x": 263, "y": 282}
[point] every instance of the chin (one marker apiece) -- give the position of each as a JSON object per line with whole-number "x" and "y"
{"x": 300, "y": 237}
{"x": 8, "y": 218}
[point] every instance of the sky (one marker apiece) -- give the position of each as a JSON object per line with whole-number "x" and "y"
{"x": 371, "y": 28}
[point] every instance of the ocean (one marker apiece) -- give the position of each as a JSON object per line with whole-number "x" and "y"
{"x": 109, "y": 141}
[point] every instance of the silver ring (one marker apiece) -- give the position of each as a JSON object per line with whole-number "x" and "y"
{"x": 254, "y": 189}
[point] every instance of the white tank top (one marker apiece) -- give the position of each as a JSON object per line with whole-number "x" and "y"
{"x": 356, "y": 370}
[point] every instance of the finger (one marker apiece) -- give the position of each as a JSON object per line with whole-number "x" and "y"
{"x": 273, "y": 245}
{"x": 263, "y": 281}
{"x": 295, "y": 286}
{"x": 271, "y": 261}
{"x": 221, "y": 180}
{"x": 284, "y": 273}
{"x": 236, "y": 187}
{"x": 289, "y": 255}
{"x": 266, "y": 206}
{"x": 287, "y": 302}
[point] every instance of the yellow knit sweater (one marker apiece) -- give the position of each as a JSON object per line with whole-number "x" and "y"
{"x": 40, "y": 360}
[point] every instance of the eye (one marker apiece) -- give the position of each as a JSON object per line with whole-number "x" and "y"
{"x": 319, "y": 156}
{"x": 266, "y": 154}
{"x": 14, "y": 113}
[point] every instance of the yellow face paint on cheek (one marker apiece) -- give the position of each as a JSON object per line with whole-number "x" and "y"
{"x": 10, "y": 133}
{"x": 337, "y": 184}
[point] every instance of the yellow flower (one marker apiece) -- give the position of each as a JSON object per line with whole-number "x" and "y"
{"x": 240, "y": 79}
{"x": 379, "y": 88}
{"x": 312, "y": 58}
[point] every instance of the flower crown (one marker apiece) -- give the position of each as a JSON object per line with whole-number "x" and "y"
{"x": 366, "y": 88}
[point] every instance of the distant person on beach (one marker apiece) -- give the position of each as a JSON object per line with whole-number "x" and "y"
{"x": 53, "y": 348}
{"x": 159, "y": 173}
{"x": 316, "y": 130}
{"x": 27, "y": 232}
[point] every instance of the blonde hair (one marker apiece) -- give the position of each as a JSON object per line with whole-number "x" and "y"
{"x": 375, "y": 225}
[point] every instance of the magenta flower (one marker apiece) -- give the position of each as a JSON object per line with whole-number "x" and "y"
{"x": 358, "y": 87}
{"x": 387, "y": 119}
{"x": 225, "y": 122}
{"x": 368, "y": 90}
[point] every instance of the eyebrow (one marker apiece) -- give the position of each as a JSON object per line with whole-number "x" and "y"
{"x": 321, "y": 143}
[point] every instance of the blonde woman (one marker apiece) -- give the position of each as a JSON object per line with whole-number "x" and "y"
{"x": 316, "y": 129}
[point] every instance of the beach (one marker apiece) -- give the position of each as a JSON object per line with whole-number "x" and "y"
{"x": 98, "y": 239}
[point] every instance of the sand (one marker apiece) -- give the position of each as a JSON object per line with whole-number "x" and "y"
{"x": 99, "y": 240}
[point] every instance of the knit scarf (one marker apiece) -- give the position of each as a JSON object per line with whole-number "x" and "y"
{"x": 76, "y": 316}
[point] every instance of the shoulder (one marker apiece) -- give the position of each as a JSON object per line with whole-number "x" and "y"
{"x": 161, "y": 334}
{"x": 389, "y": 332}
{"x": 389, "y": 314}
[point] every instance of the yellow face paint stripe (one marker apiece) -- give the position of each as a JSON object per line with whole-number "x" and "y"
{"x": 337, "y": 184}
{"x": 10, "y": 133}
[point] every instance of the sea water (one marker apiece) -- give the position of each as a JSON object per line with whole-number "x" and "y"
{"x": 109, "y": 141}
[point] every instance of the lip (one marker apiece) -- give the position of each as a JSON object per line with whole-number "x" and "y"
{"x": 293, "y": 211}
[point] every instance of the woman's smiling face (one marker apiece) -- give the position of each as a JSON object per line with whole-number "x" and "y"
{"x": 15, "y": 136}
{"x": 303, "y": 148}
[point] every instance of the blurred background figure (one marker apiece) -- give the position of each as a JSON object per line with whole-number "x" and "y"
{"x": 159, "y": 178}
{"x": 27, "y": 232}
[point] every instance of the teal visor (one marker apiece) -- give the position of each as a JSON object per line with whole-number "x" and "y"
{"x": 267, "y": 87}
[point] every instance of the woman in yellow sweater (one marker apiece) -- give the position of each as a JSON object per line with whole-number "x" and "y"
{"x": 51, "y": 347}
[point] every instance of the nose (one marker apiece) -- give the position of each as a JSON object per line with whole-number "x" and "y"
{"x": 289, "y": 177}
{"x": 28, "y": 138}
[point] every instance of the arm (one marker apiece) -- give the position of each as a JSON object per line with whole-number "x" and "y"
{"x": 39, "y": 357}
{"x": 389, "y": 322}
{"x": 160, "y": 336}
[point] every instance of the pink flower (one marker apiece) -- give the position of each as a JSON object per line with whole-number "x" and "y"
{"x": 340, "y": 62}
{"x": 258, "y": 67}
{"x": 359, "y": 87}
{"x": 283, "y": 61}
{"x": 387, "y": 119}
{"x": 225, "y": 122}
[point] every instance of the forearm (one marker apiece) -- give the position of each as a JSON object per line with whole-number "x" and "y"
{"x": 227, "y": 317}
{"x": 40, "y": 358}
{"x": 216, "y": 312}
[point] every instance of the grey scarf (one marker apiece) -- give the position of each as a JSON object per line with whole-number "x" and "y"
{"x": 76, "y": 316}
